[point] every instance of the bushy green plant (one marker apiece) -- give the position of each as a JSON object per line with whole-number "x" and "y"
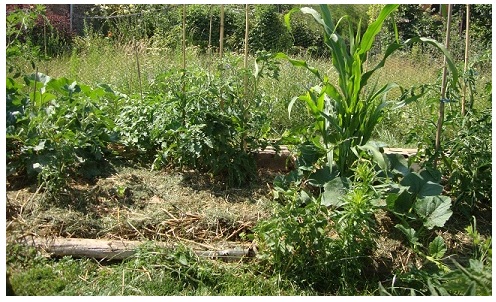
{"x": 57, "y": 126}
{"x": 323, "y": 242}
{"x": 20, "y": 24}
{"x": 200, "y": 120}
{"x": 452, "y": 278}
{"x": 467, "y": 160}
{"x": 464, "y": 158}
{"x": 295, "y": 241}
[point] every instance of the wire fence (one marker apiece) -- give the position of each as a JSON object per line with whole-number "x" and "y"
{"x": 125, "y": 44}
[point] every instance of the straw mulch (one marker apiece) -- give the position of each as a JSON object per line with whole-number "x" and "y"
{"x": 138, "y": 204}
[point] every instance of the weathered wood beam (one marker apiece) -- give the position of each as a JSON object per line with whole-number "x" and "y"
{"x": 119, "y": 249}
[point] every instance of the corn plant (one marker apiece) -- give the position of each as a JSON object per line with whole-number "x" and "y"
{"x": 345, "y": 114}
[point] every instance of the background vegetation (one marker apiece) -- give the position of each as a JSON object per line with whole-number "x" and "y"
{"x": 82, "y": 106}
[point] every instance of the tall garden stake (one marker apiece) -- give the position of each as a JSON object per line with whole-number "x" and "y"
{"x": 221, "y": 49}
{"x": 184, "y": 37}
{"x": 209, "y": 48}
{"x": 221, "y": 38}
{"x": 138, "y": 66}
{"x": 467, "y": 44}
{"x": 245, "y": 79}
{"x": 183, "y": 96}
{"x": 443, "y": 85}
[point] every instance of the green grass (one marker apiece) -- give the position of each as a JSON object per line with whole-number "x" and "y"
{"x": 152, "y": 272}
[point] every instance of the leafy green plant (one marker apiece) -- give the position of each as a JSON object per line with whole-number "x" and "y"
{"x": 345, "y": 115}
{"x": 466, "y": 162}
{"x": 202, "y": 120}
{"x": 465, "y": 154}
{"x": 20, "y": 24}
{"x": 471, "y": 279}
{"x": 57, "y": 127}
{"x": 323, "y": 242}
{"x": 415, "y": 199}
{"x": 295, "y": 241}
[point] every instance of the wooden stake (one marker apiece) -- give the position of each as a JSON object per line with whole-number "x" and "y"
{"x": 183, "y": 97}
{"x": 184, "y": 37}
{"x": 221, "y": 49}
{"x": 443, "y": 85}
{"x": 467, "y": 44}
{"x": 44, "y": 36}
{"x": 209, "y": 48}
{"x": 138, "y": 66}
{"x": 221, "y": 38}
{"x": 245, "y": 66}
{"x": 34, "y": 89}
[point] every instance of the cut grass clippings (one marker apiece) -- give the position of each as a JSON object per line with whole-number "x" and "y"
{"x": 187, "y": 209}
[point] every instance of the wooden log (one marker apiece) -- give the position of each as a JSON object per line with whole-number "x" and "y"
{"x": 120, "y": 249}
{"x": 80, "y": 247}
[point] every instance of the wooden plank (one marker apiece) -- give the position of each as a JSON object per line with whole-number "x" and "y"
{"x": 403, "y": 151}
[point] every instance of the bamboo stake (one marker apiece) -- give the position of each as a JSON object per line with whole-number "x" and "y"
{"x": 245, "y": 66}
{"x": 467, "y": 44}
{"x": 34, "y": 89}
{"x": 139, "y": 70}
{"x": 184, "y": 37}
{"x": 221, "y": 38}
{"x": 221, "y": 49}
{"x": 443, "y": 85}
{"x": 45, "y": 37}
{"x": 210, "y": 38}
{"x": 183, "y": 100}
